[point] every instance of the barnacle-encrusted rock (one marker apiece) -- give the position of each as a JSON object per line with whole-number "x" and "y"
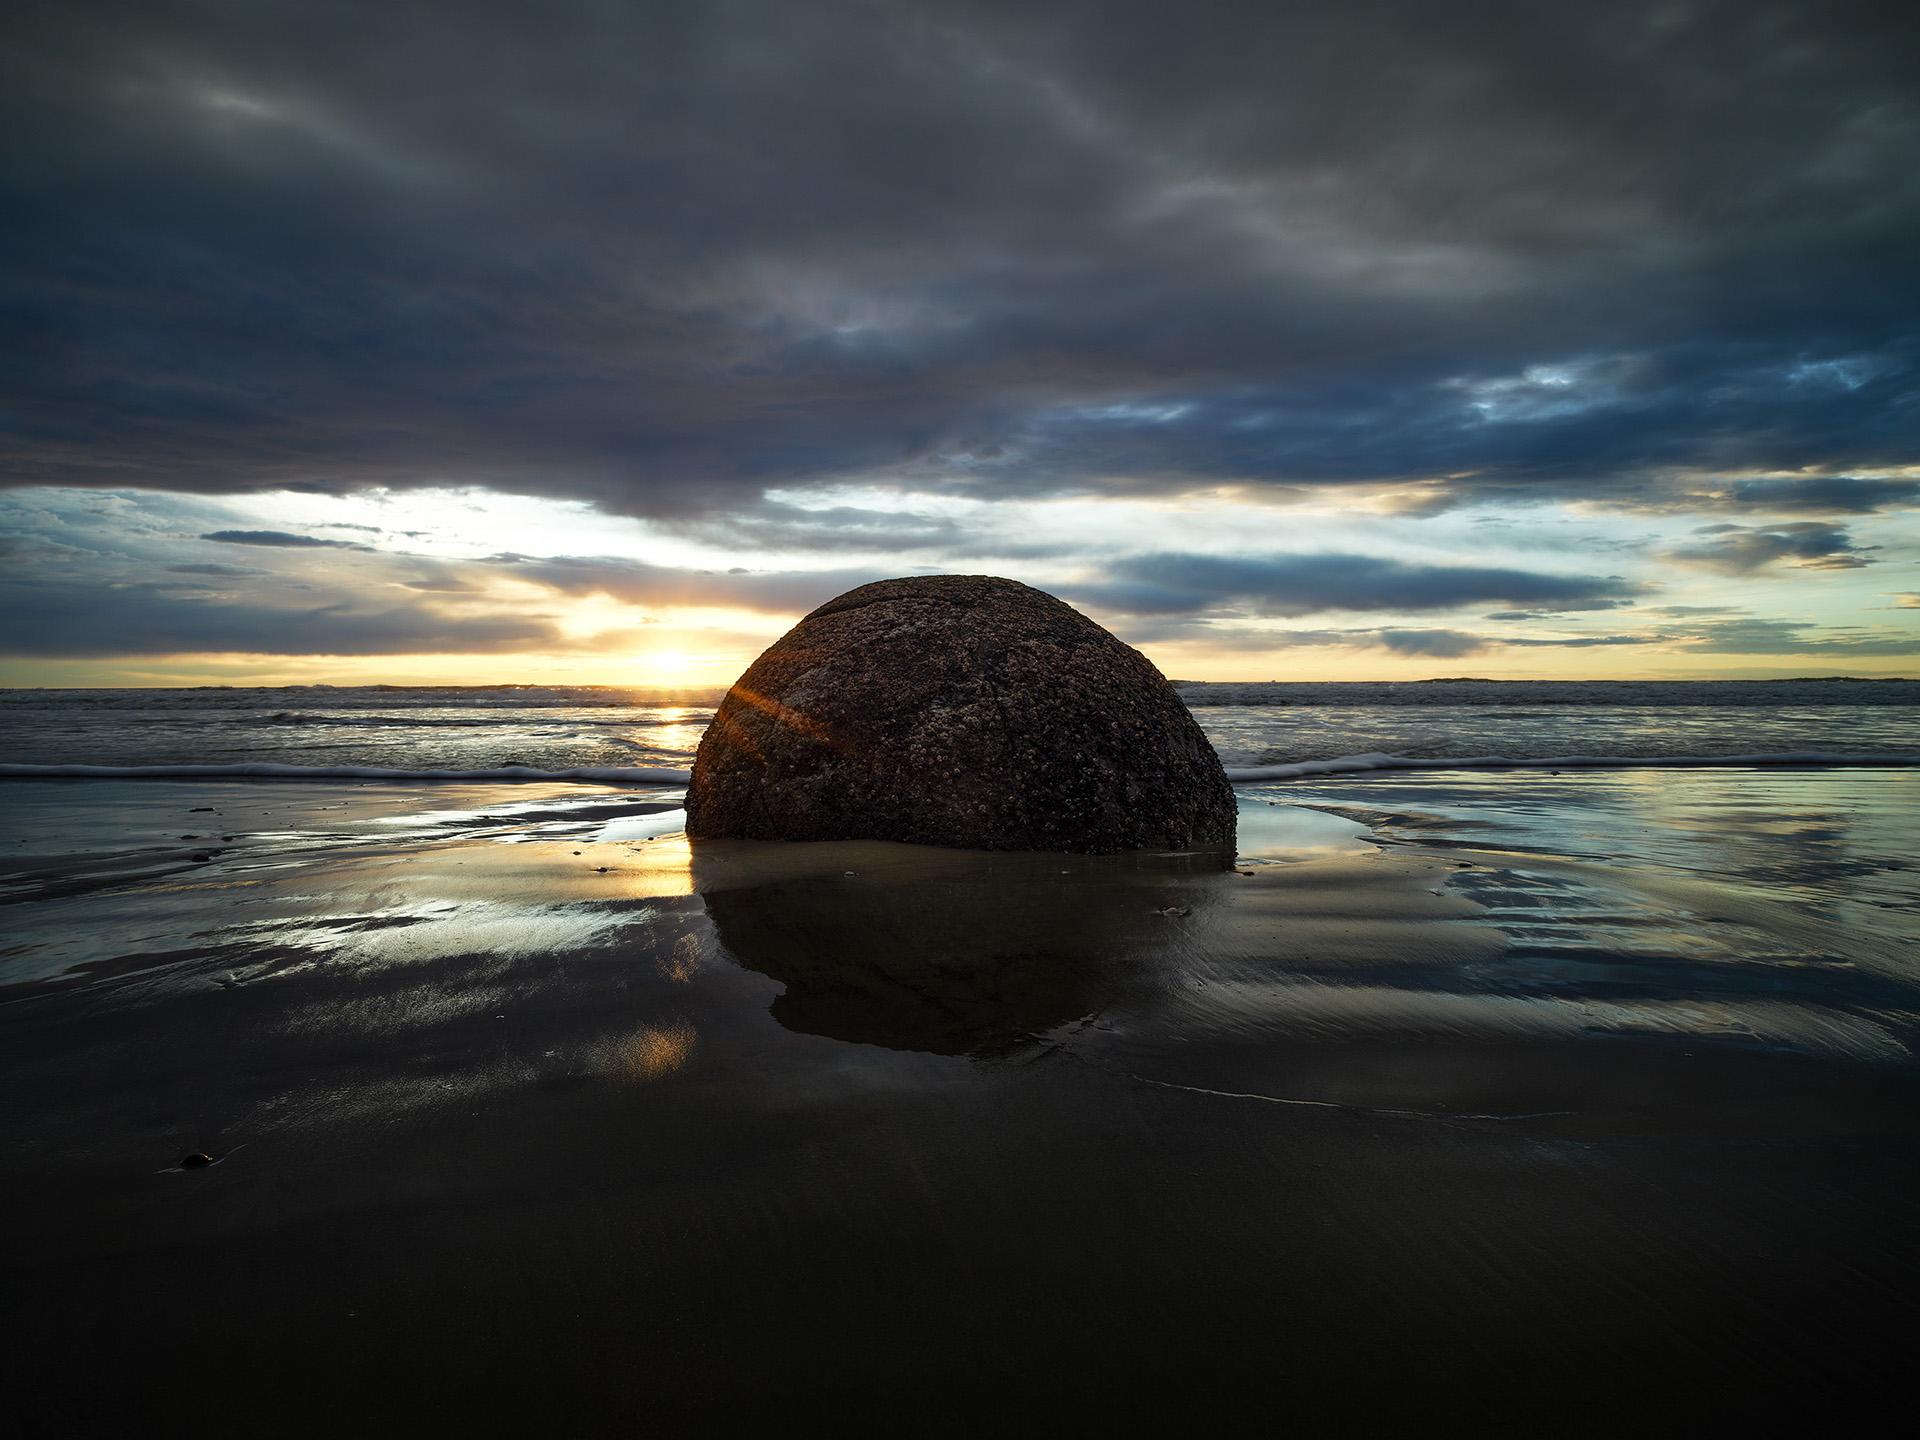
{"x": 959, "y": 710}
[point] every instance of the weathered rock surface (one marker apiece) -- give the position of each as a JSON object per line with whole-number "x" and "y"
{"x": 959, "y": 710}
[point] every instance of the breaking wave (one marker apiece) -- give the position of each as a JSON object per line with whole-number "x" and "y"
{"x": 263, "y": 770}
{"x": 1483, "y": 694}
{"x": 672, "y": 775}
{"x": 1359, "y": 764}
{"x": 432, "y": 721}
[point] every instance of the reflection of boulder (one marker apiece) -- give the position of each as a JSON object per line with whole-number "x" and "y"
{"x": 977, "y": 959}
{"x": 958, "y": 710}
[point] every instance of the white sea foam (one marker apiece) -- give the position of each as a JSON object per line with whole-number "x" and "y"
{"x": 1358, "y": 764}
{"x": 1525, "y": 694}
{"x": 668, "y": 775}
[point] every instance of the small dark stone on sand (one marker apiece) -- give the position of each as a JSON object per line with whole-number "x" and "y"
{"x": 198, "y": 1160}
{"x": 601, "y": 869}
{"x": 958, "y": 710}
{"x": 189, "y": 837}
{"x": 201, "y": 810}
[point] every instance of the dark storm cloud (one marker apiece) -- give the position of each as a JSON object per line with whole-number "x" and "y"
{"x": 1395, "y": 640}
{"x": 1440, "y": 644}
{"x": 1288, "y": 585}
{"x": 1443, "y": 643}
{"x": 847, "y": 530}
{"x": 638, "y": 583}
{"x": 1807, "y": 495}
{"x": 102, "y": 598}
{"x": 74, "y": 620}
{"x": 1460, "y": 642}
{"x": 1606, "y": 427}
{"x": 833, "y": 527}
{"x": 128, "y": 589}
{"x": 1790, "y": 637}
{"x": 667, "y": 256}
{"x": 1577, "y": 642}
{"x": 1152, "y": 586}
{"x": 1741, "y": 549}
{"x": 223, "y": 571}
{"x": 279, "y": 540}
{"x": 1742, "y": 636}
{"x": 1827, "y": 495}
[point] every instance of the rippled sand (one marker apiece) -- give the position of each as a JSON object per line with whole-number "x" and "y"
{"x": 1521, "y": 1101}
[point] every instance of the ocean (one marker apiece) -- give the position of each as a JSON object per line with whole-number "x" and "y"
{"x": 1265, "y": 731}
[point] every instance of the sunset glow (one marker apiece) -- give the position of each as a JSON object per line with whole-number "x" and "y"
{"x": 1454, "y": 385}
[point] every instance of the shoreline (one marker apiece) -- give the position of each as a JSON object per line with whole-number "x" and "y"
{"x": 1236, "y": 774}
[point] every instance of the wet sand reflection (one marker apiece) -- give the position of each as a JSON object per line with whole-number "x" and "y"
{"x": 946, "y": 951}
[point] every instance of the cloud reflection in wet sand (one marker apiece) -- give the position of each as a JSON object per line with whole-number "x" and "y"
{"x": 1448, "y": 1094}
{"x": 1417, "y": 965}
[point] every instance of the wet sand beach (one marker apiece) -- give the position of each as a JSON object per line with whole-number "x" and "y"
{"x": 1542, "y": 1103}
{"x": 959, "y": 720}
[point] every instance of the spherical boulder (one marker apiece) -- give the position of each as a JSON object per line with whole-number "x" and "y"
{"x": 959, "y": 710}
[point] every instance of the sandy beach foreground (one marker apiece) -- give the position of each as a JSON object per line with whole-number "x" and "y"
{"x": 525, "y": 1113}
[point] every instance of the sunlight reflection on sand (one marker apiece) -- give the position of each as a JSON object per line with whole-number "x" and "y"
{"x": 649, "y": 1054}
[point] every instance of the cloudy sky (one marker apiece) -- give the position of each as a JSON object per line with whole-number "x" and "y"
{"x": 597, "y": 342}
